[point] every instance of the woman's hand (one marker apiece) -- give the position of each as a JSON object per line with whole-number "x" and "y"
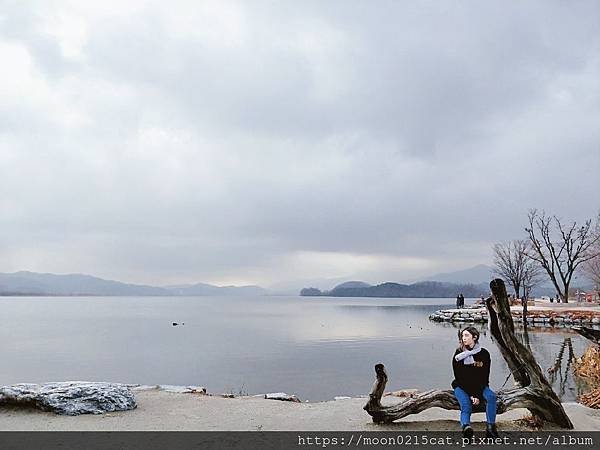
{"x": 475, "y": 401}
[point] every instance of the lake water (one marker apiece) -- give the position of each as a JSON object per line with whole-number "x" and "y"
{"x": 314, "y": 347}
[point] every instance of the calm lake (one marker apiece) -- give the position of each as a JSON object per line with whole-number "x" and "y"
{"x": 314, "y": 347}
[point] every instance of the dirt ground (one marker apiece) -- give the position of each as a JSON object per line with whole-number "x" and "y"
{"x": 166, "y": 411}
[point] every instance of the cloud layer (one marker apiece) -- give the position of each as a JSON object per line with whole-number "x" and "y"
{"x": 255, "y": 142}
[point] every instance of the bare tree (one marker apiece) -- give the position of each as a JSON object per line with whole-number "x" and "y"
{"x": 512, "y": 263}
{"x": 560, "y": 249}
{"x": 592, "y": 266}
{"x": 592, "y": 270}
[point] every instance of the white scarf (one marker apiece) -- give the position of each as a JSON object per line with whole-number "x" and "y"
{"x": 467, "y": 355}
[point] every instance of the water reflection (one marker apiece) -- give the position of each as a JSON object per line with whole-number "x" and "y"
{"x": 556, "y": 374}
{"x": 524, "y": 337}
{"x": 316, "y": 348}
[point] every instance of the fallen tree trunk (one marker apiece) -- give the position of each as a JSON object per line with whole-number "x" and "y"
{"x": 533, "y": 391}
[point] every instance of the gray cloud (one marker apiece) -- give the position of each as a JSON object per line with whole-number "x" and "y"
{"x": 260, "y": 142}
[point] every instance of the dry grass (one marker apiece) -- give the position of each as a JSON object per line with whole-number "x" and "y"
{"x": 591, "y": 399}
{"x": 588, "y": 367}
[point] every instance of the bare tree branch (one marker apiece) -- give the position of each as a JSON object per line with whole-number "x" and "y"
{"x": 560, "y": 249}
{"x": 510, "y": 260}
{"x": 591, "y": 266}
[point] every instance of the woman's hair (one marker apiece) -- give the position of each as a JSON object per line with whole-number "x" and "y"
{"x": 474, "y": 332}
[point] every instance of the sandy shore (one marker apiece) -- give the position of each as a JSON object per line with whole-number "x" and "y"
{"x": 159, "y": 410}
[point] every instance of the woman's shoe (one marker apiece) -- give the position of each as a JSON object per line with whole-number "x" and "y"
{"x": 467, "y": 431}
{"x": 491, "y": 431}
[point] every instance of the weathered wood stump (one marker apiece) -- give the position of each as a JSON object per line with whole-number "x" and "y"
{"x": 533, "y": 391}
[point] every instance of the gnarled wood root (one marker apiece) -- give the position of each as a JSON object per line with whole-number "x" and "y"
{"x": 534, "y": 391}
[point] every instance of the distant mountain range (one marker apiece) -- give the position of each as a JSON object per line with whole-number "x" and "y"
{"x": 475, "y": 275}
{"x": 422, "y": 289}
{"x": 32, "y": 283}
{"x": 472, "y": 282}
{"x": 292, "y": 287}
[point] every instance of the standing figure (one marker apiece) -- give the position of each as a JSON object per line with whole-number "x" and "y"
{"x": 471, "y": 365}
{"x": 458, "y": 301}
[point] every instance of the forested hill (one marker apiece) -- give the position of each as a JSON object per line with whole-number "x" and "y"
{"x": 423, "y": 289}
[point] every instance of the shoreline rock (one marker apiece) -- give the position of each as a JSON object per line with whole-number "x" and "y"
{"x": 70, "y": 398}
{"x": 177, "y": 389}
{"x": 283, "y": 397}
{"x": 542, "y": 317}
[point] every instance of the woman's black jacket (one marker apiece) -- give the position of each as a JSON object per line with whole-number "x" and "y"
{"x": 472, "y": 378}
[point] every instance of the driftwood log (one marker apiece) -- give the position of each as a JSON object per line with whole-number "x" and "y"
{"x": 532, "y": 392}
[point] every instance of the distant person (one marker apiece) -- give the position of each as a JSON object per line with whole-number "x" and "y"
{"x": 551, "y": 299}
{"x": 471, "y": 364}
{"x": 458, "y": 301}
{"x": 462, "y": 301}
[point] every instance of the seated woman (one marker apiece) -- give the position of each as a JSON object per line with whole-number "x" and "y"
{"x": 471, "y": 364}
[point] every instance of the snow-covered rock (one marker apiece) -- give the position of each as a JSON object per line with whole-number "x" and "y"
{"x": 71, "y": 397}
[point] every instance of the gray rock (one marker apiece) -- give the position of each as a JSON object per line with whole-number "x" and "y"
{"x": 182, "y": 389}
{"x": 71, "y": 398}
{"x": 143, "y": 387}
{"x": 282, "y": 396}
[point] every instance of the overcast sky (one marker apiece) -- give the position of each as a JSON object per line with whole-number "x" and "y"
{"x": 259, "y": 142}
